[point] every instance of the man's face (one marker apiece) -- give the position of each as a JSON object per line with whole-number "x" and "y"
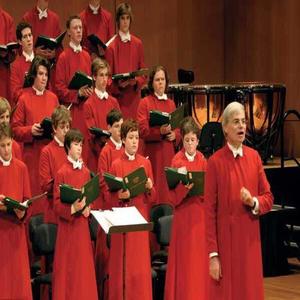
{"x": 75, "y": 31}
{"x": 27, "y": 40}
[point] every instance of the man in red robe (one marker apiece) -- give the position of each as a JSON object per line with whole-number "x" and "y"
{"x": 125, "y": 53}
{"x": 236, "y": 193}
{"x": 14, "y": 262}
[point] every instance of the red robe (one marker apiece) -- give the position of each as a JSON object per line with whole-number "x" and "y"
{"x": 7, "y": 34}
{"x": 14, "y": 261}
{"x": 187, "y": 271}
{"x": 52, "y": 158}
{"x": 73, "y": 268}
{"x": 100, "y": 24}
{"x": 123, "y": 58}
{"x": 16, "y": 150}
{"x": 138, "y": 269}
{"x": 232, "y": 229}
{"x": 33, "y": 109}
{"x": 159, "y": 150}
{"x": 95, "y": 112}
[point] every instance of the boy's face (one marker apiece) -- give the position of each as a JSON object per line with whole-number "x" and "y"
{"x": 115, "y": 130}
{"x": 5, "y": 148}
{"x": 5, "y": 117}
{"x": 41, "y": 79}
{"x": 75, "y": 31}
{"x": 61, "y": 130}
{"x": 124, "y": 23}
{"x": 75, "y": 150}
{"x": 159, "y": 82}
{"x": 101, "y": 79}
{"x": 27, "y": 40}
{"x": 190, "y": 143}
{"x": 131, "y": 142}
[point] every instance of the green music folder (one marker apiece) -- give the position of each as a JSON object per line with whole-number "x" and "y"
{"x": 97, "y": 132}
{"x": 13, "y": 204}
{"x": 130, "y": 75}
{"x": 95, "y": 40}
{"x": 46, "y": 125}
{"x": 79, "y": 80}
{"x": 9, "y": 46}
{"x": 49, "y": 43}
{"x": 197, "y": 178}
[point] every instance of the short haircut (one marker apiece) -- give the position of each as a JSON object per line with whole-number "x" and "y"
{"x": 73, "y": 135}
{"x": 61, "y": 115}
{"x": 5, "y": 131}
{"x": 230, "y": 109}
{"x": 98, "y": 64}
{"x": 113, "y": 116}
{"x": 70, "y": 19}
{"x": 33, "y": 70}
{"x": 187, "y": 125}
{"x": 127, "y": 126}
{"x": 123, "y": 9}
{"x": 152, "y": 74}
{"x": 20, "y": 27}
{"x": 4, "y": 106}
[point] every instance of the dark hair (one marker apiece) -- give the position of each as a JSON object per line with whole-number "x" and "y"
{"x": 61, "y": 115}
{"x": 151, "y": 77}
{"x": 20, "y": 27}
{"x": 70, "y": 19}
{"x": 113, "y": 116}
{"x": 5, "y": 131}
{"x": 123, "y": 9}
{"x": 33, "y": 70}
{"x": 73, "y": 135}
{"x": 188, "y": 125}
{"x": 127, "y": 126}
{"x": 97, "y": 64}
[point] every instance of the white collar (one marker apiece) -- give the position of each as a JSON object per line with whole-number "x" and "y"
{"x": 60, "y": 144}
{"x": 100, "y": 94}
{"x": 28, "y": 57}
{"x": 118, "y": 145}
{"x": 38, "y": 92}
{"x": 5, "y": 163}
{"x": 236, "y": 151}
{"x": 125, "y": 37}
{"x": 94, "y": 9}
{"x": 190, "y": 158}
{"x": 163, "y": 97}
{"x": 76, "y": 164}
{"x": 42, "y": 13}
{"x": 75, "y": 48}
{"x": 130, "y": 157}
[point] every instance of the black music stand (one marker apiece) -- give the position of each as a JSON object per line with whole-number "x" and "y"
{"x": 211, "y": 138}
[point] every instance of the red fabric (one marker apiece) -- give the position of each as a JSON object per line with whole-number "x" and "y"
{"x": 52, "y": 158}
{"x": 138, "y": 269}
{"x": 123, "y": 58}
{"x": 16, "y": 150}
{"x": 187, "y": 272}
{"x": 159, "y": 150}
{"x": 73, "y": 269}
{"x": 33, "y": 109}
{"x": 14, "y": 262}
{"x": 232, "y": 230}
{"x": 95, "y": 112}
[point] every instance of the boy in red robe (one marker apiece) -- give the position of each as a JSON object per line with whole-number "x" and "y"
{"x": 73, "y": 270}
{"x": 14, "y": 262}
{"x": 53, "y": 156}
{"x": 187, "y": 271}
{"x": 236, "y": 193}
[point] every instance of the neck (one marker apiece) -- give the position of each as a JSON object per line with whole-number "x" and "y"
{"x": 124, "y": 32}
{"x": 62, "y": 141}
{"x": 28, "y": 51}
{"x": 75, "y": 42}
{"x": 130, "y": 153}
{"x": 117, "y": 140}
{"x": 235, "y": 144}
{"x": 101, "y": 89}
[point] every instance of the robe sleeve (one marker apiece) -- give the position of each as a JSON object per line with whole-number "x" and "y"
{"x": 151, "y": 196}
{"x": 46, "y": 180}
{"x": 16, "y": 83}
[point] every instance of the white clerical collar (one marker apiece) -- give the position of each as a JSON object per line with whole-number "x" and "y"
{"x": 94, "y": 9}
{"x": 38, "y": 92}
{"x": 130, "y": 157}
{"x": 75, "y": 48}
{"x": 5, "y": 163}
{"x": 42, "y": 13}
{"x": 162, "y": 97}
{"x": 60, "y": 144}
{"x": 28, "y": 57}
{"x": 125, "y": 37}
{"x": 76, "y": 164}
{"x": 236, "y": 151}
{"x": 118, "y": 145}
{"x": 190, "y": 157}
{"x": 100, "y": 94}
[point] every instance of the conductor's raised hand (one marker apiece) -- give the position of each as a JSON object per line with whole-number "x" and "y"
{"x": 215, "y": 271}
{"x": 78, "y": 205}
{"x": 246, "y": 197}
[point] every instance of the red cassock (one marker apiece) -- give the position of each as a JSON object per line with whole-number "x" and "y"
{"x": 100, "y": 24}
{"x": 138, "y": 269}
{"x": 232, "y": 229}
{"x": 16, "y": 150}
{"x": 95, "y": 112}
{"x": 14, "y": 261}
{"x": 122, "y": 58}
{"x": 187, "y": 271}
{"x": 73, "y": 268}
{"x": 52, "y": 158}
{"x": 7, "y": 34}
{"x": 159, "y": 150}
{"x": 33, "y": 109}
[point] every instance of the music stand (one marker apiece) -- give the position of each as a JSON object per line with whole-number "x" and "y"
{"x": 211, "y": 138}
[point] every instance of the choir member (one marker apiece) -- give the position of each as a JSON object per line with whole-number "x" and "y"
{"x": 73, "y": 269}
{"x": 236, "y": 193}
{"x": 53, "y": 156}
{"x": 137, "y": 270}
{"x": 187, "y": 271}
{"x": 125, "y": 53}
{"x": 14, "y": 262}
{"x": 96, "y": 107}
{"x": 98, "y": 21}
{"x": 21, "y": 65}
{"x": 34, "y": 105}
{"x": 159, "y": 141}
